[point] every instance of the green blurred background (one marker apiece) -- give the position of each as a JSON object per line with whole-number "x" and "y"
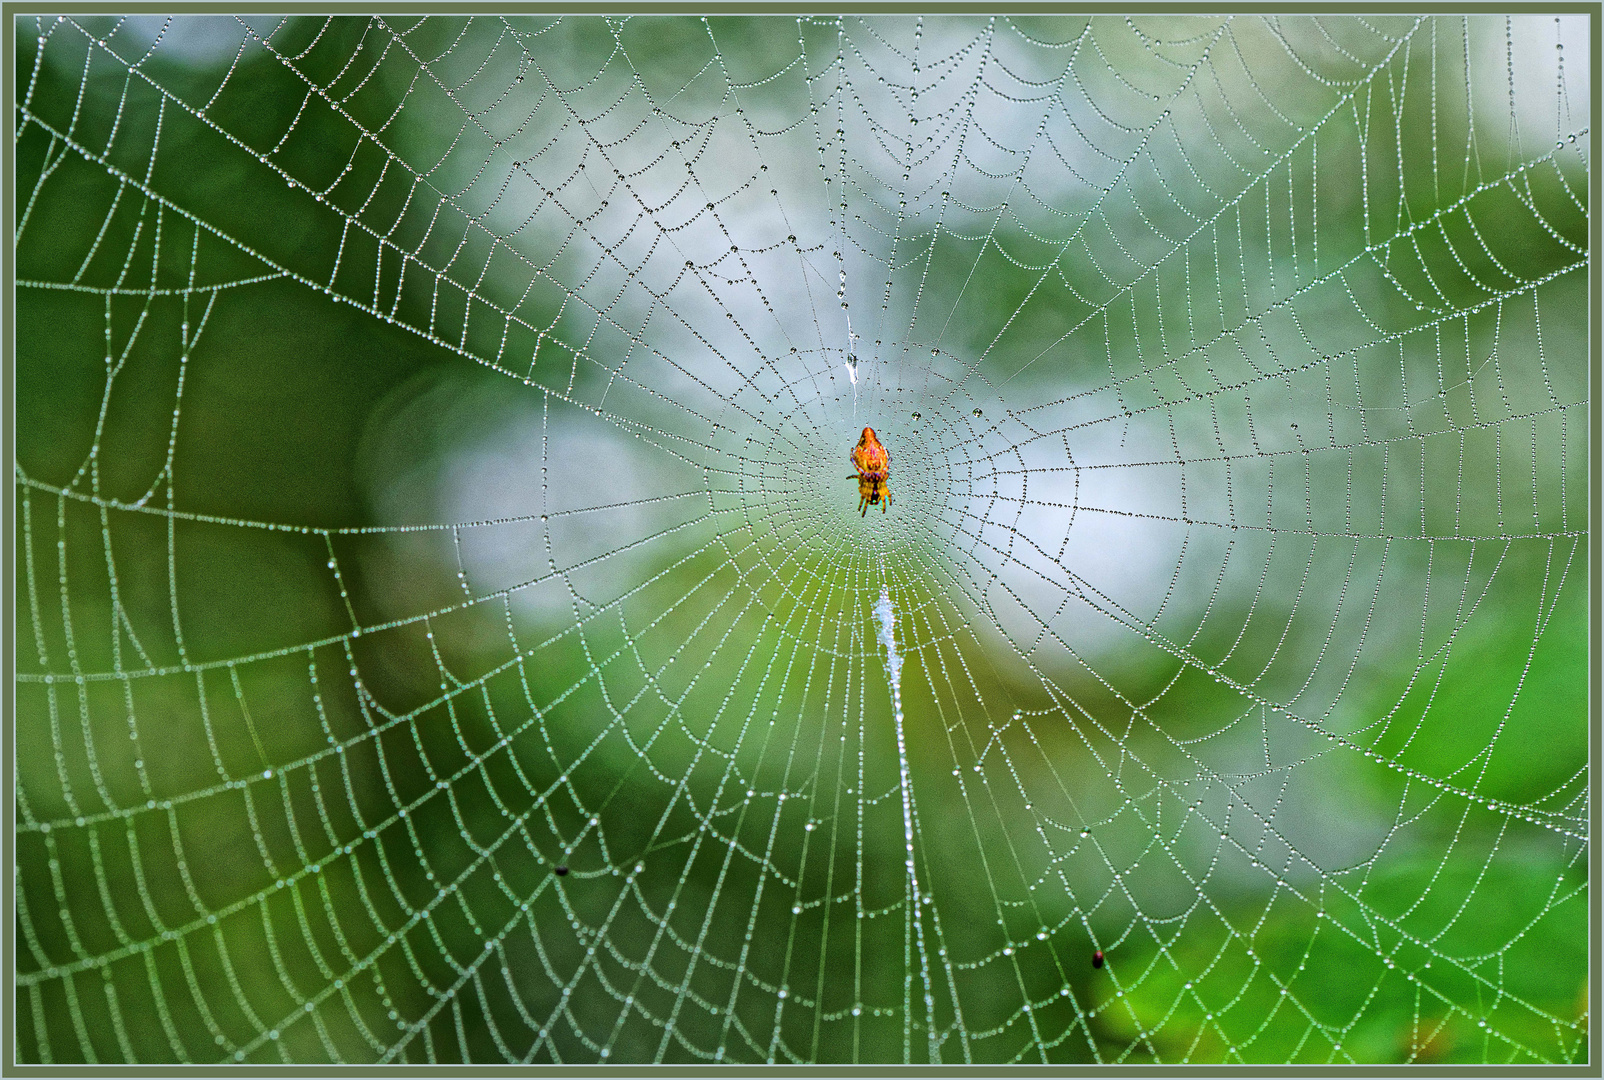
{"x": 445, "y": 628}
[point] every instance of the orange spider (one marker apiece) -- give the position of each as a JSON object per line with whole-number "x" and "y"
{"x": 873, "y": 462}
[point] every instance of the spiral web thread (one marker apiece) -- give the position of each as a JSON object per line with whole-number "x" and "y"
{"x": 1234, "y": 376}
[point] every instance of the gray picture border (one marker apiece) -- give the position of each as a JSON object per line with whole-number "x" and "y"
{"x": 8, "y": 554}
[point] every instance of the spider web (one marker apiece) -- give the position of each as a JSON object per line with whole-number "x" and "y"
{"x": 446, "y": 628}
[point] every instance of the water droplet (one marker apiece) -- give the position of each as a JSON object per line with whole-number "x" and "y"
{"x": 977, "y": 412}
{"x": 916, "y": 417}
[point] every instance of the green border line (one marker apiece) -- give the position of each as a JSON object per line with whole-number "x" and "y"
{"x": 774, "y": 9}
{"x": 8, "y": 625}
{"x": 1595, "y": 695}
